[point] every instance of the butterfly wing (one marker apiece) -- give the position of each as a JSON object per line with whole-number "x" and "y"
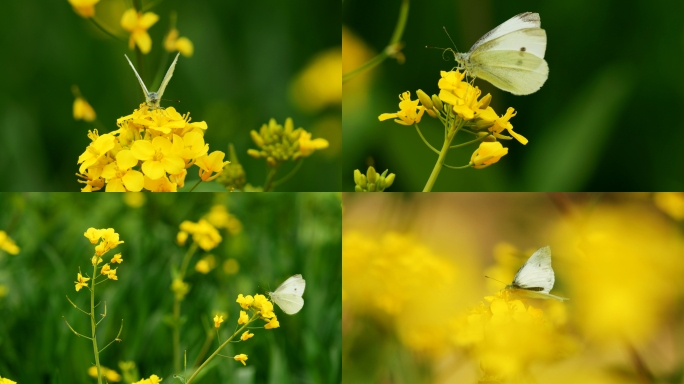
{"x": 288, "y": 295}
{"x": 536, "y": 273}
{"x": 521, "y": 21}
{"x": 167, "y": 78}
{"x": 530, "y": 40}
{"x": 517, "y": 72}
{"x": 147, "y": 97}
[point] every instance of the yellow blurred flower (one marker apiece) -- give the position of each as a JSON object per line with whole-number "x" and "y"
{"x": 137, "y": 24}
{"x": 83, "y": 110}
{"x": 487, "y": 154}
{"x": 84, "y": 8}
{"x": 174, "y": 43}
{"x": 623, "y": 264}
{"x": 206, "y": 264}
{"x": 116, "y": 259}
{"x": 134, "y": 200}
{"x": 245, "y": 336}
{"x": 7, "y": 381}
{"x": 217, "y": 321}
{"x": 318, "y": 85}
{"x": 243, "y": 319}
{"x": 179, "y": 288}
{"x": 355, "y": 52}
{"x": 241, "y": 358}
{"x": 7, "y": 244}
{"x": 231, "y": 266}
{"x": 671, "y": 203}
{"x": 3, "y": 291}
{"x": 203, "y": 233}
{"x": 110, "y": 374}
{"x": 409, "y": 111}
{"x": 219, "y": 217}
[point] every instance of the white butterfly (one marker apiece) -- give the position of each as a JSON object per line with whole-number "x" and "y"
{"x": 289, "y": 295}
{"x": 152, "y": 98}
{"x": 535, "y": 278}
{"x": 510, "y": 56}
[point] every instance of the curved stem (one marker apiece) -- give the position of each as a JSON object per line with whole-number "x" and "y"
{"x": 452, "y": 167}
{"x": 442, "y": 155}
{"x": 103, "y": 29}
{"x": 195, "y": 186}
{"x": 289, "y": 175}
{"x": 219, "y": 349}
{"x": 425, "y": 141}
{"x": 396, "y": 36}
{"x": 470, "y": 142}
{"x": 269, "y": 179}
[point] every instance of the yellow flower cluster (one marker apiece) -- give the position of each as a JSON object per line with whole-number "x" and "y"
{"x": 506, "y": 336}
{"x": 241, "y": 358}
{"x": 110, "y": 374}
{"x": 109, "y": 240}
{"x": 387, "y": 278}
{"x": 203, "y": 233}
{"x": 7, "y": 244}
{"x": 154, "y": 379}
{"x": 8, "y": 381}
{"x": 219, "y": 217}
{"x": 279, "y": 144}
{"x": 161, "y": 144}
{"x": 260, "y": 305}
{"x": 84, "y": 8}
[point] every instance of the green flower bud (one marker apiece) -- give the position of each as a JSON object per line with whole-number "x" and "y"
{"x": 424, "y": 99}
{"x": 437, "y": 103}
{"x": 389, "y": 180}
{"x": 372, "y": 175}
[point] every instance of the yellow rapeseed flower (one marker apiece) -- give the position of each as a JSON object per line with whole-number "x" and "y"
{"x": 174, "y": 43}
{"x": 119, "y": 175}
{"x": 487, "y": 154}
{"x": 83, "y": 110}
{"x": 241, "y": 358}
{"x": 308, "y": 146}
{"x": 181, "y": 238}
{"x": 245, "y": 301}
{"x": 116, "y": 259}
{"x": 272, "y": 323}
{"x": 502, "y": 123}
{"x": 96, "y": 150}
{"x": 318, "y": 85}
{"x": 217, "y": 321}
{"x": 203, "y": 233}
{"x": 93, "y": 235}
{"x": 81, "y": 282}
{"x": 84, "y": 8}
{"x": 245, "y": 336}
{"x": 409, "y": 111}
{"x": 243, "y": 318}
{"x": 110, "y": 374}
{"x": 7, "y": 244}
{"x": 154, "y": 379}
{"x": 211, "y": 165}
{"x": 7, "y": 381}
{"x": 219, "y": 217}
{"x": 206, "y": 264}
{"x": 137, "y": 24}
{"x": 134, "y": 200}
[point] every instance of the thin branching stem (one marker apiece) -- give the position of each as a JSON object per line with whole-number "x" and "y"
{"x": 115, "y": 339}
{"x": 72, "y": 330}
{"x": 289, "y": 175}
{"x": 425, "y": 141}
{"x": 75, "y": 306}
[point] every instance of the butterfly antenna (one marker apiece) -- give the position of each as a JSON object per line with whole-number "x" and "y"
{"x": 449, "y": 36}
{"x": 177, "y": 101}
{"x": 495, "y": 280}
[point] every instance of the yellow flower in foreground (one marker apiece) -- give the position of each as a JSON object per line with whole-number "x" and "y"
{"x": 209, "y": 164}
{"x": 7, "y": 244}
{"x": 137, "y": 24}
{"x": 243, "y": 318}
{"x": 158, "y": 157}
{"x": 83, "y": 110}
{"x": 410, "y": 112}
{"x": 487, "y": 154}
{"x": 98, "y": 148}
{"x": 110, "y": 374}
{"x": 7, "y": 381}
{"x": 81, "y": 282}
{"x": 308, "y": 146}
{"x": 502, "y": 123}
{"x": 245, "y": 301}
{"x": 671, "y": 203}
{"x": 93, "y": 235}
{"x": 119, "y": 175}
{"x": 273, "y": 323}
{"x": 174, "y": 43}
{"x": 246, "y": 336}
{"x": 154, "y": 379}
{"x": 116, "y": 259}
{"x": 84, "y": 8}
{"x": 241, "y": 358}
{"x": 217, "y": 321}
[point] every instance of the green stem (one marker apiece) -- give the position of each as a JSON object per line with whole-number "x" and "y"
{"x": 425, "y": 141}
{"x": 103, "y": 29}
{"x": 269, "y": 179}
{"x": 177, "y": 308}
{"x": 195, "y": 186}
{"x": 462, "y": 167}
{"x": 442, "y": 156}
{"x": 470, "y": 142}
{"x": 396, "y": 36}
{"x": 219, "y": 349}
{"x": 93, "y": 327}
{"x": 289, "y": 175}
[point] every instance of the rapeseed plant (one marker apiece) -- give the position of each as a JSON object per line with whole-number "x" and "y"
{"x": 106, "y": 240}
{"x": 459, "y": 108}
{"x": 7, "y": 244}
{"x": 371, "y": 181}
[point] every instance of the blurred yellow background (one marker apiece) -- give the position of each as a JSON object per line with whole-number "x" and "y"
{"x": 418, "y": 309}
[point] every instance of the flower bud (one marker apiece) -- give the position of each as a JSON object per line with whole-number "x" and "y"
{"x": 424, "y": 99}
{"x": 437, "y": 103}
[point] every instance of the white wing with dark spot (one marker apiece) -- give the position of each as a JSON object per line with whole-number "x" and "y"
{"x": 517, "y": 22}
{"x": 536, "y": 272}
{"x": 288, "y": 295}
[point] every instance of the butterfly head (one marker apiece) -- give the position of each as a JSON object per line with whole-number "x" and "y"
{"x": 153, "y": 100}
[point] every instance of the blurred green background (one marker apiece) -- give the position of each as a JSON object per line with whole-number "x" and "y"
{"x": 246, "y": 57}
{"x": 615, "y": 69}
{"x": 283, "y": 234}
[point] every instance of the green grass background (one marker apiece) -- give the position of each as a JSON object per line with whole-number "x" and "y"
{"x": 283, "y": 234}
{"x": 604, "y": 121}
{"x": 246, "y": 56}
